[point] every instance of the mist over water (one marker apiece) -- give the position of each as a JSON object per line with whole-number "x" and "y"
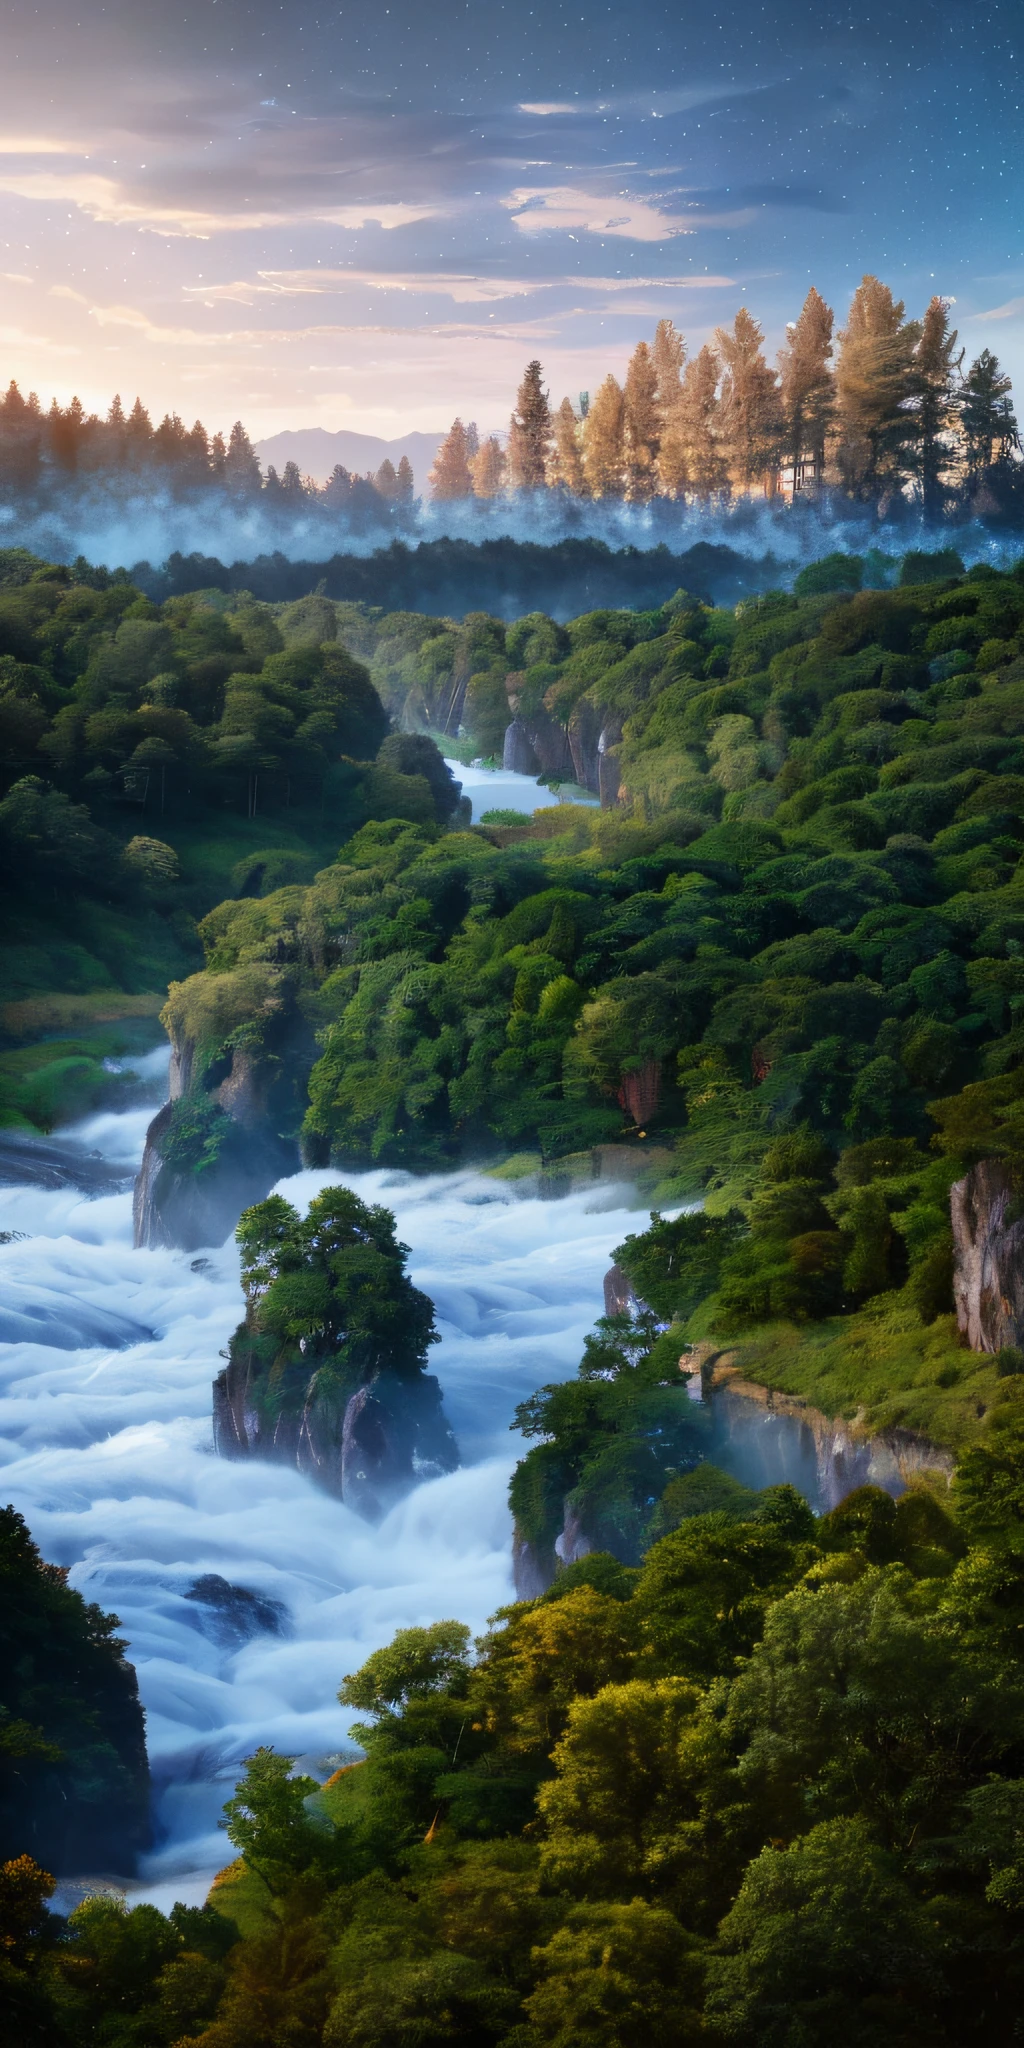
{"x": 106, "y": 1448}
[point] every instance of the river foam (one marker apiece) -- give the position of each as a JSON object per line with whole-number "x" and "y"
{"x": 106, "y": 1448}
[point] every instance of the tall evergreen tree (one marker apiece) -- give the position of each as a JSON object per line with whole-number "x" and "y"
{"x": 987, "y": 420}
{"x": 406, "y": 481}
{"x": 567, "y": 460}
{"x": 530, "y": 436}
{"x": 198, "y": 458}
{"x": 603, "y": 441}
{"x": 386, "y": 481}
{"x": 242, "y": 469}
{"x": 874, "y": 387}
{"x": 751, "y": 412}
{"x": 691, "y": 459}
{"x": 669, "y": 353}
{"x": 20, "y": 439}
{"x": 931, "y": 449}
{"x": 114, "y": 434}
{"x": 138, "y": 436}
{"x": 642, "y": 426}
{"x": 450, "y": 477}
{"x": 488, "y": 468}
{"x": 807, "y": 390}
{"x": 338, "y": 489}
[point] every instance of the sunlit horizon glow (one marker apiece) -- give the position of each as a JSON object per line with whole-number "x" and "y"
{"x": 371, "y": 222}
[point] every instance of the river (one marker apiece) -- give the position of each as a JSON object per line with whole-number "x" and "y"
{"x": 105, "y": 1438}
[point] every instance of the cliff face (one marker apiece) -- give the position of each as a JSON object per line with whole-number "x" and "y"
{"x": 184, "y": 1203}
{"x": 988, "y": 1258}
{"x": 367, "y": 1448}
{"x": 185, "y": 1209}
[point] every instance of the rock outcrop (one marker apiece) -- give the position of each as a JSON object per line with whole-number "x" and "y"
{"x": 537, "y": 745}
{"x": 768, "y": 1437}
{"x": 184, "y": 1206}
{"x": 988, "y": 1258}
{"x": 534, "y": 1568}
{"x": 367, "y": 1449}
{"x": 186, "y": 1210}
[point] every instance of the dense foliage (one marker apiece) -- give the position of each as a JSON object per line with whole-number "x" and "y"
{"x": 766, "y": 1789}
{"x": 74, "y": 1785}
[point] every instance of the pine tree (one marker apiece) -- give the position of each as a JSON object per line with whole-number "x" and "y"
{"x": 472, "y": 441}
{"x": 987, "y": 420}
{"x": 691, "y": 458}
{"x": 530, "y": 434}
{"x": 642, "y": 426}
{"x": 241, "y": 469}
{"x": 114, "y": 435}
{"x": 338, "y": 489}
{"x": 138, "y": 436}
{"x": 170, "y": 442}
{"x": 669, "y": 353}
{"x": 808, "y": 393}
{"x": 386, "y": 481}
{"x": 874, "y": 382}
{"x": 751, "y": 412}
{"x": 604, "y": 442}
{"x": 931, "y": 451}
{"x": 488, "y": 468}
{"x": 567, "y": 460}
{"x": 450, "y": 477}
{"x": 406, "y": 482}
{"x": 20, "y": 440}
{"x": 218, "y": 458}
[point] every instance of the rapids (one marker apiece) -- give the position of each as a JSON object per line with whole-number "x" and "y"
{"x": 106, "y": 1447}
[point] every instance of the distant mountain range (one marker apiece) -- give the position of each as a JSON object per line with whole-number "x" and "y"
{"x": 317, "y": 452}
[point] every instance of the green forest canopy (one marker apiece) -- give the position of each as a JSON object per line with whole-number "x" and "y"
{"x": 764, "y": 1789}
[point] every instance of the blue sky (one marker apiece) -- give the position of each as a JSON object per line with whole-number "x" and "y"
{"x": 372, "y": 216}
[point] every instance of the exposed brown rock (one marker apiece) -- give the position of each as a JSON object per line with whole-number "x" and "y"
{"x": 988, "y": 1258}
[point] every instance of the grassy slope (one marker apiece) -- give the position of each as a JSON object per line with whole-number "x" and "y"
{"x": 884, "y": 1369}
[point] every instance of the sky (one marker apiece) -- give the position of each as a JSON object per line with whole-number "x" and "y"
{"x": 372, "y": 216}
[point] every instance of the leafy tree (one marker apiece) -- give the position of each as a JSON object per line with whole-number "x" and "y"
{"x": 611, "y": 1975}
{"x": 826, "y": 1940}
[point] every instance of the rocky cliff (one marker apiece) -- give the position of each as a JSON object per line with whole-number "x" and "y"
{"x": 216, "y": 1145}
{"x": 367, "y": 1448}
{"x": 988, "y": 1257}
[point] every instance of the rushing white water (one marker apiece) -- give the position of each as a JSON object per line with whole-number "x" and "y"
{"x": 106, "y": 1448}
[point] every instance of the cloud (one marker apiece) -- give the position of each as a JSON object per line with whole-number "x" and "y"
{"x": 1009, "y": 311}
{"x": 35, "y": 145}
{"x": 104, "y": 200}
{"x": 536, "y": 209}
{"x": 463, "y": 288}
